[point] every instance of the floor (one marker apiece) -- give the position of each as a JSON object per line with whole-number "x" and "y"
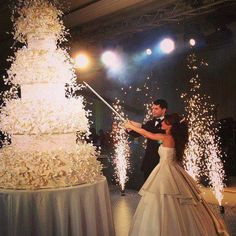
{"x": 124, "y": 207}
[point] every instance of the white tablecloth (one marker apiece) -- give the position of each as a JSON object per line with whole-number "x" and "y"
{"x": 83, "y": 210}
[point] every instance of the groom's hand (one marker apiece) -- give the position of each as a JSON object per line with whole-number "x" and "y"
{"x": 127, "y": 125}
{"x": 136, "y": 124}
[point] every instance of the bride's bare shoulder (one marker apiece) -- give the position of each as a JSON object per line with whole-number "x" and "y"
{"x": 168, "y": 141}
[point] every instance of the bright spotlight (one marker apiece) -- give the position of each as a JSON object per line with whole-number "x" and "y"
{"x": 167, "y": 45}
{"x": 108, "y": 58}
{"x": 149, "y": 51}
{"x": 192, "y": 42}
{"x": 111, "y": 60}
{"x": 81, "y": 61}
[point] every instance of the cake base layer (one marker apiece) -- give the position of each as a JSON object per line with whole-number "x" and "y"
{"x": 48, "y": 169}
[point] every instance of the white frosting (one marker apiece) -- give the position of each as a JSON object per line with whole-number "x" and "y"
{"x": 43, "y": 91}
{"x": 46, "y": 42}
{"x": 47, "y": 143}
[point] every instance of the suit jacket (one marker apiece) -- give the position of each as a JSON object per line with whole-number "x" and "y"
{"x": 151, "y": 156}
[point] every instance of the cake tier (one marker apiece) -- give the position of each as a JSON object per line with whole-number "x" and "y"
{"x": 42, "y": 42}
{"x": 37, "y": 18}
{"x": 21, "y": 169}
{"x": 45, "y": 91}
{"x": 44, "y": 117}
{"x": 41, "y": 66}
{"x": 47, "y": 142}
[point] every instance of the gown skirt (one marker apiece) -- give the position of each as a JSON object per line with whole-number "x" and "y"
{"x": 171, "y": 204}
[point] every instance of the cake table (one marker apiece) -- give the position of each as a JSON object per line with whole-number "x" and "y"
{"x": 72, "y": 211}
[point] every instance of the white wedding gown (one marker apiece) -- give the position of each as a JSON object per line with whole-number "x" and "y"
{"x": 171, "y": 204}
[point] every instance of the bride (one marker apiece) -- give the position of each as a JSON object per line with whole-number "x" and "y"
{"x": 171, "y": 203}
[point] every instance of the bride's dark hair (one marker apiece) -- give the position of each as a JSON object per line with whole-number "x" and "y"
{"x": 179, "y": 131}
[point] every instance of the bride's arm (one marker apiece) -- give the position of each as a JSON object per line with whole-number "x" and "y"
{"x": 143, "y": 132}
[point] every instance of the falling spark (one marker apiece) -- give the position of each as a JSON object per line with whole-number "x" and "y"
{"x": 121, "y": 149}
{"x": 148, "y": 108}
{"x": 215, "y": 166}
{"x": 202, "y": 154}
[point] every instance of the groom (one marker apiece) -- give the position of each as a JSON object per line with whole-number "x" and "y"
{"x": 151, "y": 157}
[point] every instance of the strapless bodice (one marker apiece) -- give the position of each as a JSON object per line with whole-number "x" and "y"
{"x": 167, "y": 154}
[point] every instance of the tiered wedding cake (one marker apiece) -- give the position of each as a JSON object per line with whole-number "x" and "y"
{"x": 43, "y": 123}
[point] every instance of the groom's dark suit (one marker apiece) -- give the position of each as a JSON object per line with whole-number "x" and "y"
{"x": 151, "y": 157}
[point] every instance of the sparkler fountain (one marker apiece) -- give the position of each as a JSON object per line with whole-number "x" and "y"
{"x": 43, "y": 123}
{"x": 203, "y": 153}
{"x": 122, "y": 150}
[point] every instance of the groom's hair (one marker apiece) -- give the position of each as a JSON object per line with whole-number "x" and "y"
{"x": 161, "y": 102}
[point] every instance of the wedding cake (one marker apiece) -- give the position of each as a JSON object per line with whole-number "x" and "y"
{"x": 44, "y": 120}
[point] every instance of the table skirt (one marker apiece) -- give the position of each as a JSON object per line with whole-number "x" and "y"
{"x": 83, "y": 210}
